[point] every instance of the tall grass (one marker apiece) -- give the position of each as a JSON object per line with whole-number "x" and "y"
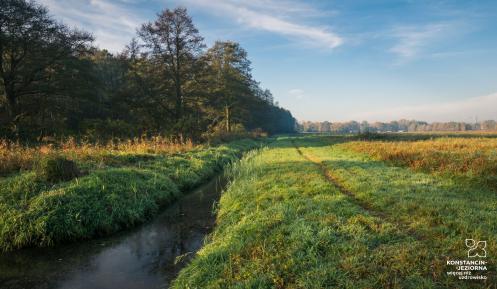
{"x": 35, "y": 211}
{"x": 472, "y": 157}
{"x": 15, "y": 157}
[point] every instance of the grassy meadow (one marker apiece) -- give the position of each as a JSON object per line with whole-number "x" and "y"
{"x": 335, "y": 212}
{"x": 70, "y": 191}
{"x": 473, "y": 158}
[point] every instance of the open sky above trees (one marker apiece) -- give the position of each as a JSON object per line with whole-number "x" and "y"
{"x": 338, "y": 60}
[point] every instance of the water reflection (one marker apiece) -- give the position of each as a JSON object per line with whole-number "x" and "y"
{"x": 141, "y": 258}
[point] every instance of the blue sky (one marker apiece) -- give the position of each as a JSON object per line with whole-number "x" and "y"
{"x": 338, "y": 60}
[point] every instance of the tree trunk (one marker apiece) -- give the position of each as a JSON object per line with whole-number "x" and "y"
{"x": 179, "y": 98}
{"x": 12, "y": 108}
{"x": 179, "y": 93}
{"x": 228, "y": 118}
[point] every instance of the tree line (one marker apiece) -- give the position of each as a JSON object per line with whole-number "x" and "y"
{"x": 55, "y": 82}
{"x": 393, "y": 126}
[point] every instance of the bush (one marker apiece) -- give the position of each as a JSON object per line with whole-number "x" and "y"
{"x": 57, "y": 169}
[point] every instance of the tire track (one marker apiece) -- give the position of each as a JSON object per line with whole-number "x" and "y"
{"x": 427, "y": 240}
{"x": 333, "y": 180}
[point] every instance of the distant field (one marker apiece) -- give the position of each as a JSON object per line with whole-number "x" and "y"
{"x": 50, "y": 194}
{"x": 324, "y": 212}
{"x": 475, "y": 158}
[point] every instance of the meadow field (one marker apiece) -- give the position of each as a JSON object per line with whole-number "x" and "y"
{"x": 299, "y": 211}
{"x": 69, "y": 191}
{"x": 353, "y": 212}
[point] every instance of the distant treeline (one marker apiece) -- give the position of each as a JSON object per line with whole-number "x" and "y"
{"x": 54, "y": 82}
{"x": 393, "y": 126}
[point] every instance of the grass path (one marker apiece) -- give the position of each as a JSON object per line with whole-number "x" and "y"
{"x": 327, "y": 174}
{"x": 437, "y": 211}
{"x": 283, "y": 224}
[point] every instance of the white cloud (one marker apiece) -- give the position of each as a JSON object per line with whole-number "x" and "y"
{"x": 112, "y": 23}
{"x": 297, "y": 93}
{"x": 413, "y": 40}
{"x": 483, "y": 107}
{"x": 275, "y": 16}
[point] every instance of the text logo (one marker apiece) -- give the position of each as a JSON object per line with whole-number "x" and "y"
{"x": 476, "y": 248}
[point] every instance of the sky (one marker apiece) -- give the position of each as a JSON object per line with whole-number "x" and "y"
{"x": 382, "y": 60}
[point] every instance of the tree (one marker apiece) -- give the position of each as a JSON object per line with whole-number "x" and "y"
{"x": 32, "y": 46}
{"x": 325, "y": 127}
{"x": 174, "y": 45}
{"x": 364, "y": 127}
{"x": 230, "y": 70}
{"x": 54, "y": 84}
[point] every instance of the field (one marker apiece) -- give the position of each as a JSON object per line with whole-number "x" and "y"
{"x": 50, "y": 194}
{"x": 334, "y": 212}
{"x": 474, "y": 158}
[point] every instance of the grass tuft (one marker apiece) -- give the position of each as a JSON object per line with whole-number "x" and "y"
{"x": 55, "y": 169}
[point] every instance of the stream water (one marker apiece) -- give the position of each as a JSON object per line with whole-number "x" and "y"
{"x": 144, "y": 257}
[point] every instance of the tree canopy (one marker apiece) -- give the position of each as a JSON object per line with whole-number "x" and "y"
{"x": 54, "y": 82}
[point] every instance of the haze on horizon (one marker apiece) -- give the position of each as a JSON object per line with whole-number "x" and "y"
{"x": 346, "y": 60}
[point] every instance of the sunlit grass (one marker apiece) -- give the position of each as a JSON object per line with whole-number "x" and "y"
{"x": 15, "y": 157}
{"x": 282, "y": 224}
{"x": 472, "y": 157}
{"x": 127, "y": 189}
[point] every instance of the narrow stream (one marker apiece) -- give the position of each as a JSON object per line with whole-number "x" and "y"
{"x": 140, "y": 258}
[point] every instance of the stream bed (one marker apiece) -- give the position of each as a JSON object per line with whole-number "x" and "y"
{"x": 143, "y": 257}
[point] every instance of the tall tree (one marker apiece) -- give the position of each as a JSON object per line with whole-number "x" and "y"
{"x": 53, "y": 83}
{"x": 174, "y": 44}
{"x": 230, "y": 69}
{"x": 32, "y": 44}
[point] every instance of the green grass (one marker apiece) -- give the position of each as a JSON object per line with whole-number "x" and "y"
{"x": 112, "y": 196}
{"x": 282, "y": 224}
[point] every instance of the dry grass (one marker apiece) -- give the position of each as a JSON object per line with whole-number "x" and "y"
{"x": 15, "y": 156}
{"x": 475, "y": 157}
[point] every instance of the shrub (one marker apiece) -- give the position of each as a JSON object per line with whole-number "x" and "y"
{"x": 57, "y": 169}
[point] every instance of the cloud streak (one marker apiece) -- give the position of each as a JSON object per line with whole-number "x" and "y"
{"x": 297, "y": 93}
{"x": 112, "y": 23}
{"x": 482, "y": 107}
{"x": 267, "y": 16}
{"x": 413, "y": 40}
